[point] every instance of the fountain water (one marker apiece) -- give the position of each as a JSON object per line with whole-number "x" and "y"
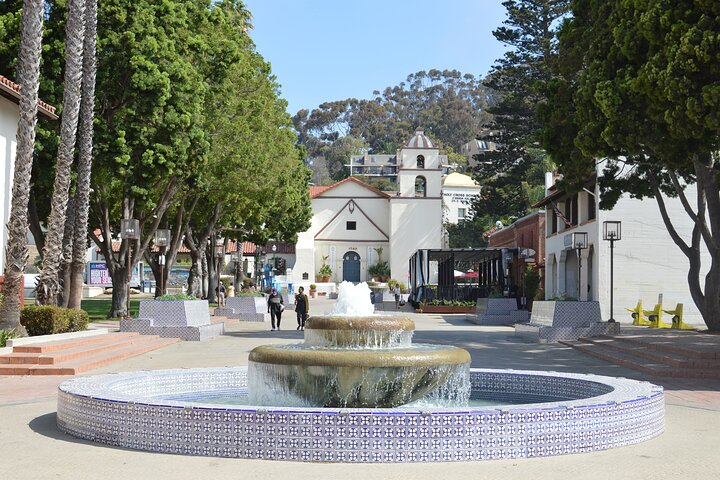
{"x": 354, "y": 358}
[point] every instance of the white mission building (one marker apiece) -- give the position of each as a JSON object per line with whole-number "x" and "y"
{"x": 351, "y": 219}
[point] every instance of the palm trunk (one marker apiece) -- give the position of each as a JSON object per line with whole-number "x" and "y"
{"x": 63, "y": 293}
{"x": 85, "y": 150}
{"x": 48, "y": 284}
{"x": 16, "y": 253}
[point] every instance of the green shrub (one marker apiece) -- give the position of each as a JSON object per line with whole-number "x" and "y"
{"x": 247, "y": 283}
{"x": 248, "y": 293}
{"x": 313, "y": 286}
{"x": 176, "y": 296}
{"x": 6, "y": 335}
{"x": 44, "y": 320}
{"x": 77, "y": 319}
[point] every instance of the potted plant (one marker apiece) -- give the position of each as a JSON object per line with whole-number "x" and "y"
{"x": 380, "y": 271}
{"x": 313, "y": 290}
{"x": 325, "y": 271}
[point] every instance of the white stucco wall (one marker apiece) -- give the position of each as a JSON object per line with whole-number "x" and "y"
{"x": 455, "y": 198}
{"x": 9, "y": 114}
{"x": 415, "y": 224}
{"x": 646, "y": 260}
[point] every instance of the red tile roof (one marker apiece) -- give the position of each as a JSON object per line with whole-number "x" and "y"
{"x": 248, "y": 248}
{"x": 348, "y": 179}
{"x": 316, "y": 190}
{"x": 12, "y": 90}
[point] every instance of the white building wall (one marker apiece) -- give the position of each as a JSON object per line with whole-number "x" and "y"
{"x": 456, "y": 198}
{"x": 415, "y": 224}
{"x": 9, "y": 115}
{"x": 646, "y": 260}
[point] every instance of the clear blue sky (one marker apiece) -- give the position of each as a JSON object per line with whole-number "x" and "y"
{"x": 323, "y": 50}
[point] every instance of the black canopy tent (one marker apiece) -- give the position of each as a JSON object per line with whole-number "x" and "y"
{"x": 427, "y": 284}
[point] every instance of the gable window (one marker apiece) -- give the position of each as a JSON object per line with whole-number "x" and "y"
{"x": 420, "y": 161}
{"x": 420, "y": 187}
{"x": 350, "y": 225}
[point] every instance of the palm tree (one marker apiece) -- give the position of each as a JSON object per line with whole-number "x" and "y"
{"x": 85, "y": 150}
{"x": 48, "y": 281}
{"x": 28, "y": 76}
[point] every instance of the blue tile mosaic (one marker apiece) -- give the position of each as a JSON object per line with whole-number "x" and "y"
{"x": 578, "y": 413}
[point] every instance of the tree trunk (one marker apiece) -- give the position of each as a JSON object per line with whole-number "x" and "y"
{"x": 28, "y": 73}
{"x": 85, "y": 150}
{"x": 196, "y": 274}
{"x": 67, "y": 248}
{"x": 119, "y": 294}
{"x": 213, "y": 274}
{"x": 48, "y": 282}
{"x": 35, "y": 225}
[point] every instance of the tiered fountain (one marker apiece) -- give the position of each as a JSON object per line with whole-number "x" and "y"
{"x": 355, "y": 359}
{"x": 358, "y": 390}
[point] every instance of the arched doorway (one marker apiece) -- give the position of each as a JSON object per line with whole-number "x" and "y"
{"x": 351, "y": 267}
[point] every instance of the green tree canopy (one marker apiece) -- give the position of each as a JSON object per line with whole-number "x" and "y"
{"x": 639, "y": 84}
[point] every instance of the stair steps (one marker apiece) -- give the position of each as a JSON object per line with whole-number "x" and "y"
{"x": 658, "y": 359}
{"x": 69, "y": 357}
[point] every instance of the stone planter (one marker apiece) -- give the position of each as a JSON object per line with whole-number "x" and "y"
{"x": 554, "y": 321}
{"x": 447, "y": 309}
{"x": 186, "y": 319}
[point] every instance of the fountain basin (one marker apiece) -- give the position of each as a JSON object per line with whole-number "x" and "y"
{"x": 295, "y": 375}
{"x": 375, "y": 332}
{"x": 561, "y": 413}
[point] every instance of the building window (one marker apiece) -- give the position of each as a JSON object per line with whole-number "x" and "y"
{"x": 350, "y": 225}
{"x": 305, "y": 276}
{"x": 461, "y": 214}
{"x": 591, "y": 207}
{"x": 420, "y": 161}
{"x": 420, "y": 187}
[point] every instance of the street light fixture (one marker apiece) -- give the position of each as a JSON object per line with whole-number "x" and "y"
{"x": 162, "y": 240}
{"x": 129, "y": 230}
{"x": 579, "y": 243}
{"x": 274, "y": 249}
{"x": 612, "y": 232}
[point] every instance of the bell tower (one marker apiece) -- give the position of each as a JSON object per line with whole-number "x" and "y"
{"x": 416, "y": 210}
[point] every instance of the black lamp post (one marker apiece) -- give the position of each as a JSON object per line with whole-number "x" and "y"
{"x": 612, "y": 232}
{"x": 579, "y": 243}
{"x": 274, "y": 264}
{"x": 129, "y": 230}
{"x": 162, "y": 240}
{"x": 258, "y": 252}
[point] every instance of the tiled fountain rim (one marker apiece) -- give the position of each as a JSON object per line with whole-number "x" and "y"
{"x": 624, "y": 413}
{"x": 109, "y": 387}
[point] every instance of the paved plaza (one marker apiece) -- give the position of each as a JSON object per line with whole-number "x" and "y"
{"x": 33, "y": 447}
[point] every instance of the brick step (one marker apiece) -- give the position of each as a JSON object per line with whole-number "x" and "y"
{"x": 703, "y": 346}
{"x": 110, "y": 342}
{"x": 654, "y": 354}
{"x": 56, "y": 345}
{"x": 97, "y": 360}
{"x": 626, "y": 359}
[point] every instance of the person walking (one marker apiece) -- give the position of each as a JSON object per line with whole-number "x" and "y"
{"x": 275, "y": 307}
{"x": 302, "y": 308}
{"x": 220, "y": 290}
{"x": 397, "y": 293}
